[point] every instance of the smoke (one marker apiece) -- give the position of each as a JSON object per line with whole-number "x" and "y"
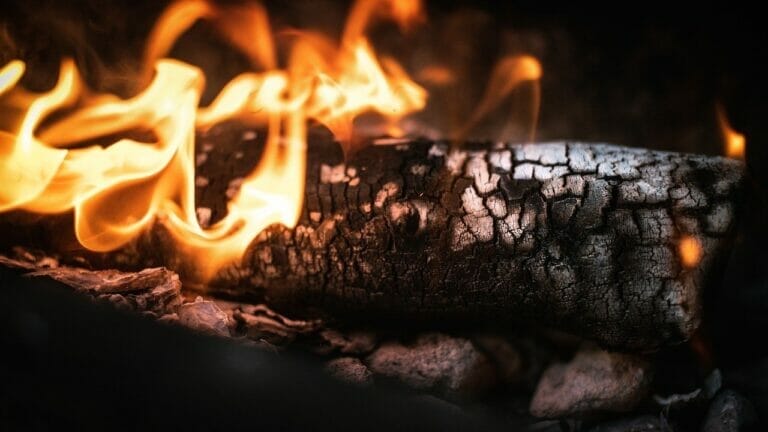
{"x": 104, "y": 38}
{"x": 619, "y": 80}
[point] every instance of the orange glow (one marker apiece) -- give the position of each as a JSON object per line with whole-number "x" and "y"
{"x": 245, "y": 26}
{"x": 119, "y": 190}
{"x": 690, "y": 251}
{"x": 10, "y": 75}
{"x": 734, "y": 143}
{"x": 508, "y": 74}
{"x": 436, "y": 75}
{"x": 406, "y": 13}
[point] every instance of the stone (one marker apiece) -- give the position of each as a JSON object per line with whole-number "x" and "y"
{"x": 204, "y": 316}
{"x": 698, "y": 396}
{"x": 594, "y": 381}
{"x": 435, "y": 362}
{"x": 729, "y": 412}
{"x": 350, "y": 370}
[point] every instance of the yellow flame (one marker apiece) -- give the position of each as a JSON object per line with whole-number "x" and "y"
{"x": 117, "y": 191}
{"x": 690, "y": 251}
{"x": 735, "y": 144}
{"x": 10, "y": 75}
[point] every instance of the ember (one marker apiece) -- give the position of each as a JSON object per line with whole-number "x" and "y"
{"x": 690, "y": 251}
{"x": 735, "y": 143}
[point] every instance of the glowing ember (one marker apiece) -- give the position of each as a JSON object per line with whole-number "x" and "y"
{"x": 735, "y": 143}
{"x": 119, "y": 190}
{"x": 690, "y": 251}
{"x": 437, "y": 75}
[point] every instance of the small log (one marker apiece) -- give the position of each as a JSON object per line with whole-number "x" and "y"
{"x": 155, "y": 290}
{"x": 584, "y": 238}
{"x": 581, "y": 237}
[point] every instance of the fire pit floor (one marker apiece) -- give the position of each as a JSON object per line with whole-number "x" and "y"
{"x": 533, "y": 380}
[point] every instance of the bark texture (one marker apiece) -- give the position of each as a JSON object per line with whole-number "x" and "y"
{"x": 155, "y": 290}
{"x": 581, "y": 237}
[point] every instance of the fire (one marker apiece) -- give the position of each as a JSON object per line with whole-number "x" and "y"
{"x": 118, "y": 190}
{"x": 437, "y": 75}
{"x": 10, "y": 75}
{"x": 735, "y": 144}
{"x": 406, "y": 13}
{"x": 690, "y": 251}
{"x": 509, "y": 73}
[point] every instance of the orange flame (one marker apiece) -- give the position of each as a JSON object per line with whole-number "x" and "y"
{"x": 117, "y": 191}
{"x": 436, "y": 75}
{"x": 734, "y": 143}
{"x": 690, "y": 251}
{"x": 406, "y": 13}
{"x": 507, "y": 75}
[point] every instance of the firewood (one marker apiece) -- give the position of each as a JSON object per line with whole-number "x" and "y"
{"x": 610, "y": 243}
{"x": 156, "y": 290}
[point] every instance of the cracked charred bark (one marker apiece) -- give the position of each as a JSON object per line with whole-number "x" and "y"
{"x": 580, "y": 237}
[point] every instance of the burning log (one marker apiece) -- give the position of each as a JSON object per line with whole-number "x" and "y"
{"x": 611, "y": 243}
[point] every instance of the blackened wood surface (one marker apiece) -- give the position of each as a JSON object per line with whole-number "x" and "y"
{"x": 580, "y": 237}
{"x": 156, "y": 290}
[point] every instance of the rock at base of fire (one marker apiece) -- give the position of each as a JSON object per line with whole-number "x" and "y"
{"x": 729, "y": 412}
{"x": 449, "y": 366}
{"x": 351, "y": 370}
{"x": 594, "y": 381}
{"x": 204, "y": 316}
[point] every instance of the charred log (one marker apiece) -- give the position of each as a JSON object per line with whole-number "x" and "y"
{"x": 581, "y": 237}
{"x": 154, "y": 290}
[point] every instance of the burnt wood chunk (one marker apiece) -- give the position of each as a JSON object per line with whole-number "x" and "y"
{"x": 156, "y": 290}
{"x": 581, "y": 237}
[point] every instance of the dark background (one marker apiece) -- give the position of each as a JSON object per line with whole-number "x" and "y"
{"x": 646, "y": 75}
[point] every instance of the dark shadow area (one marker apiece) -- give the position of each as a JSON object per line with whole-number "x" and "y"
{"x": 69, "y": 363}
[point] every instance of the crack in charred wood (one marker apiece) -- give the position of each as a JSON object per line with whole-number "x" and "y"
{"x": 579, "y": 237}
{"x": 576, "y": 236}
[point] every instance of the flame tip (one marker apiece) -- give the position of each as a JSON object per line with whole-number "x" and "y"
{"x": 735, "y": 143}
{"x": 119, "y": 190}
